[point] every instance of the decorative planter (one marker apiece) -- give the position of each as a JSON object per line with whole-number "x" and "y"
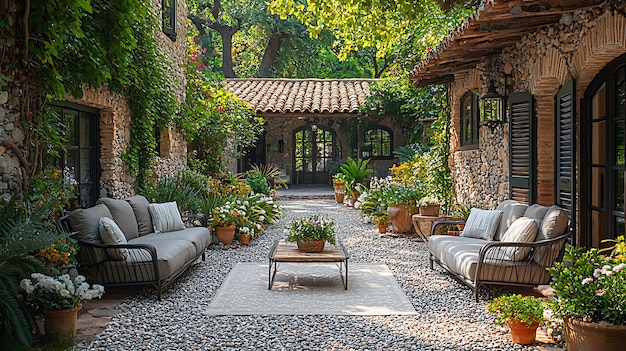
{"x": 400, "y": 218}
{"x": 311, "y": 245}
{"x": 245, "y": 239}
{"x": 225, "y": 235}
{"x": 521, "y": 334}
{"x": 339, "y": 197}
{"x": 340, "y": 192}
{"x": 584, "y": 336}
{"x": 382, "y": 228}
{"x": 430, "y": 210}
{"x": 61, "y": 324}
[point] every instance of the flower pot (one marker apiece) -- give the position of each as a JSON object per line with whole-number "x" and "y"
{"x": 245, "y": 239}
{"x": 521, "y": 334}
{"x": 430, "y": 210}
{"x": 382, "y": 228}
{"x": 61, "y": 324}
{"x": 339, "y": 197}
{"x": 225, "y": 235}
{"x": 311, "y": 245}
{"x": 400, "y": 218}
{"x": 584, "y": 336}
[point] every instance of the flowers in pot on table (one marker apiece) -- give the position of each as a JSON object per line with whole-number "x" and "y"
{"x": 59, "y": 297}
{"x": 311, "y": 233}
{"x": 522, "y": 314}
{"x": 429, "y": 206}
{"x": 589, "y": 290}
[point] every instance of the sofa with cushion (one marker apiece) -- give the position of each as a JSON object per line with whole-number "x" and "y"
{"x": 133, "y": 242}
{"x": 511, "y": 245}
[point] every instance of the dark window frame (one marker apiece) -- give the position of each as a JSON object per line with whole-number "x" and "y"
{"x": 367, "y": 143}
{"x": 473, "y": 118}
{"x": 168, "y": 17}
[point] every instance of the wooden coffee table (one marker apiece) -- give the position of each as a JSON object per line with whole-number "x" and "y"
{"x": 283, "y": 251}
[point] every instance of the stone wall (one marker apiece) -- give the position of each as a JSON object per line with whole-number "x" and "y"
{"x": 9, "y": 129}
{"x": 578, "y": 47}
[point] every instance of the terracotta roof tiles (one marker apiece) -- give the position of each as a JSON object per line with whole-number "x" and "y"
{"x": 301, "y": 95}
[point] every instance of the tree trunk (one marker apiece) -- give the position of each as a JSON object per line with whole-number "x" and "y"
{"x": 269, "y": 56}
{"x": 227, "y": 53}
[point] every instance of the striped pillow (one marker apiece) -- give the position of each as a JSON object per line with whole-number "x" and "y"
{"x": 166, "y": 217}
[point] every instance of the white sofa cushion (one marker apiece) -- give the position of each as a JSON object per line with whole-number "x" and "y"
{"x": 511, "y": 210}
{"x": 111, "y": 234}
{"x": 482, "y": 224}
{"x": 523, "y": 230}
{"x": 166, "y": 217}
{"x": 554, "y": 224}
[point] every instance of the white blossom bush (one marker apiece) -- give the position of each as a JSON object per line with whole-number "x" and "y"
{"x": 61, "y": 292}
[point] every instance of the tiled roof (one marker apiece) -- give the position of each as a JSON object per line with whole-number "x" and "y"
{"x": 497, "y": 24}
{"x": 301, "y": 95}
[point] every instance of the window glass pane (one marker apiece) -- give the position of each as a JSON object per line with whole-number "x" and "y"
{"x": 619, "y": 226}
{"x": 85, "y": 165}
{"x": 619, "y": 142}
{"x": 84, "y": 135}
{"x": 70, "y": 128}
{"x": 598, "y": 177}
{"x": 598, "y": 151}
{"x": 598, "y": 103}
{"x": 619, "y": 190}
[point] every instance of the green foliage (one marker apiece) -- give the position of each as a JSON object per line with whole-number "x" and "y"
{"x": 524, "y": 309}
{"x": 590, "y": 286}
{"x": 259, "y": 184}
{"x": 313, "y": 227}
{"x": 355, "y": 171}
{"x": 21, "y": 233}
{"x": 173, "y": 189}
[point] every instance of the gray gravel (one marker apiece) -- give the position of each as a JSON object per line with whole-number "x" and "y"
{"x": 447, "y": 319}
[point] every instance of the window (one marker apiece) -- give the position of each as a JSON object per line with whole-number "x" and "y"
{"x": 469, "y": 119}
{"x": 169, "y": 18}
{"x": 81, "y": 154}
{"x": 377, "y": 143}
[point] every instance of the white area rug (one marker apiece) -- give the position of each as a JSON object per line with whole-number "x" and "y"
{"x": 310, "y": 289}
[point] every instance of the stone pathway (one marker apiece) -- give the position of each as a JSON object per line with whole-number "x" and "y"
{"x": 447, "y": 318}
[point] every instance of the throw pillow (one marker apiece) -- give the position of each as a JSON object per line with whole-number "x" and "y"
{"x": 140, "y": 205}
{"x": 111, "y": 234}
{"x": 554, "y": 224}
{"x": 523, "y": 230}
{"x": 166, "y": 217}
{"x": 482, "y": 224}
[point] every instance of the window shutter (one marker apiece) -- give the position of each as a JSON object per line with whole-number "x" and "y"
{"x": 565, "y": 147}
{"x": 522, "y": 148}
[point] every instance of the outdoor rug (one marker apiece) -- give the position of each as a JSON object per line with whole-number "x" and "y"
{"x": 310, "y": 289}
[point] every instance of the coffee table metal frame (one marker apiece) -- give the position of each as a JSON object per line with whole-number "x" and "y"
{"x": 283, "y": 251}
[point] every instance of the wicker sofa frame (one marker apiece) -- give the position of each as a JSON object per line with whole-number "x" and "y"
{"x": 493, "y": 268}
{"x": 143, "y": 268}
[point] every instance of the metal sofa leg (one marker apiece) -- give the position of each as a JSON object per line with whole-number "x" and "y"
{"x": 430, "y": 259}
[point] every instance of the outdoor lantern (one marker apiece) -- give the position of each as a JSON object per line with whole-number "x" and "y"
{"x": 491, "y": 105}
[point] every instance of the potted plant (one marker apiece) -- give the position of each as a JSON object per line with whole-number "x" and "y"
{"x": 61, "y": 298}
{"x": 225, "y": 218}
{"x": 401, "y": 207}
{"x": 522, "y": 314}
{"x": 589, "y": 290}
{"x": 429, "y": 206}
{"x": 311, "y": 233}
{"x": 339, "y": 187}
{"x": 354, "y": 172}
{"x": 381, "y": 220}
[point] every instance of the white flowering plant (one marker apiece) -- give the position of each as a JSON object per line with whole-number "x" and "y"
{"x": 427, "y": 201}
{"x": 313, "y": 227}
{"x": 61, "y": 292}
{"x": 590, "y": 286}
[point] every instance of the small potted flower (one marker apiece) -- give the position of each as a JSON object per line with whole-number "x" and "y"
{"x": 339, "y": 187}
{"x": 589, "y": 290}
{"x": 225, "y": 218}
{"x": 311, "y": 233}
{"x": 381, "y": 220}
{"x": 429, "y": 206}
{"x": 522, "y": 314}
{"x": 61, "y": 298}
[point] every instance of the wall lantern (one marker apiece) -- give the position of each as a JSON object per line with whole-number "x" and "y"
{"x": 281, "y": 146}
{"x": 491, "y": 105}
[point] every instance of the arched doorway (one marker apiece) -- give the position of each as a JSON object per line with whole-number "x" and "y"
{"x": 604, "y": 161}
{"x": 313, "y": 155}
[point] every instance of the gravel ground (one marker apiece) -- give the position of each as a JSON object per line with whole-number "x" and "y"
{"x": 447, "y": 319}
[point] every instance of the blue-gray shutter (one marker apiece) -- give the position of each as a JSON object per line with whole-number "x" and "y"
{"x": 564, "y": 172}
{"x": 522, "y": 148}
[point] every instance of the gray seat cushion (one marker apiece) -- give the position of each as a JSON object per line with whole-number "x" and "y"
{"x": 511, "y": 210}
{"x": 123, "y": 216}
{"x": 200, "y": 237}
{"x": 139, "y": 205}
{"x": 86, "y": 223}
{"x": 536, "y": 211}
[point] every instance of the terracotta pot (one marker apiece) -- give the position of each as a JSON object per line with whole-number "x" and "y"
{"x": 311, "y": 245}
{"x": 340, "y": 188}
{"x": 225, "y": 235}
{"x": 584, "y": 336}
{"x": 382, "y": 228}
{"x": 400, "y": 218}
{"x": 61, "y": 324}
{"x": 430, "y": 210}
{"x": 339, "y": 197}
{"x": 245, "y": 239}
{"x": 521, "y": 334}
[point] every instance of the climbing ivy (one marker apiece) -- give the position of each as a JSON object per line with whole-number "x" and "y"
{"x": 56, "y": 46}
